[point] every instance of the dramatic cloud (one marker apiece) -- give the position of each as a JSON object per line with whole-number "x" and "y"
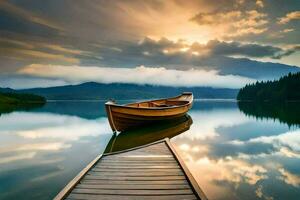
{"x": 166, "y": 52}
{"x": 288, "y": 17}
{"x": 289, "y": 178}
{"x": 215, "y": 59}
{"x": 23, "y": 14}
{"x": 138, "y": 75}
{"x": 43, "y": 134}
{"x": 286, "y": 144}
{"x": 205, "y": 35}
{"x": 259, "y": 3}
{"x": 234, "y": 23}
{"x": 251, "y": 50}
{"x": 17, "y": 81}
{"x": 45, "y": 125}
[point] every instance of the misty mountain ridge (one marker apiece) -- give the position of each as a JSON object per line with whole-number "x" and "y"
{"x": 101, "y": 91}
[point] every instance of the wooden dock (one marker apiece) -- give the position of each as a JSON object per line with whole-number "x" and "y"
{"x": 152, "y": 171}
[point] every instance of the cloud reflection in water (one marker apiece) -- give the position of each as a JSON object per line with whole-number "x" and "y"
{"x": 44, "y": 147}
{"x": 230, "y": 165}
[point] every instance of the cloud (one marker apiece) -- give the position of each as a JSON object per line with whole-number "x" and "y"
{"x": 289, "y": 178}
{"x": 24, "y": 14}
{"x": 51, "y": 126}
{"x": 287, "y": 30}
{"x": 23, "y": 156}
{"x": 214, "y": 55}
{"x": 217, "y": 59}
{"x": 138, "y": 75}
{"x": 98, "y": 33}
{"x": 259, "y": 3}
{"x": 289, "y": 17}
{"x": 206, "y": 123}
{"x": 234, "y": 23}
{"x": 260, "y": 194}
{"x": 286, "y": 144}
{"x": 250, "y": 50}
{"x": 39, "y": 136}
{"x": 289, "y": 139}
{"x": 38, "y": 55}
{"x": 167, "y": 48}
{"x": 24, "y": 81}
{"x": 43, "y": 146}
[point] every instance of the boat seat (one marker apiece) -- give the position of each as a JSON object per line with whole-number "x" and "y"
{"x": 159, "y": 104}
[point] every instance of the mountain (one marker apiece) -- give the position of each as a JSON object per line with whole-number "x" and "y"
{"x": 223, "y": 64}
{"x": 287, "y": 88}
{"x": 251, "y": 68}
{"x": 92, "y": 90}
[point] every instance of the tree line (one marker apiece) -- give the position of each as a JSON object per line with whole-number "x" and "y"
{"x": 287, "y": 88}
{"x": 9, "y": 97}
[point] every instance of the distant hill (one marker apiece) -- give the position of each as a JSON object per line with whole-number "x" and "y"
{"x": 10, "y": 100}
{"x": 287, "y": 88}
{"x": 251, "y": 68}
{"x": 92, "y": 90}
{"x": 12, "y": 97}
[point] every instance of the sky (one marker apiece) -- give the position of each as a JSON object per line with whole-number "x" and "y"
{"x": 216, "y": 43}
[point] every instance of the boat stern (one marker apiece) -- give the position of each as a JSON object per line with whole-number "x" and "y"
{"x": 108, "y": 105}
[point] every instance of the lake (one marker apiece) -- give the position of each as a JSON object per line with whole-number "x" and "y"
{"x": 233, "y": 151}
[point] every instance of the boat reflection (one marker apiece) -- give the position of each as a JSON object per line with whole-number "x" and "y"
{"x": 148, "y": 134}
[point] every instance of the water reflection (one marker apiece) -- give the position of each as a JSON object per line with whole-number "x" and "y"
{"x": 234, "y": 156}
{"x": 41, "y": 152}
{"x": 82, "y": 109}
{"x": 8, "y": 108}
{"x": 284, "y": 112}
{"x": 231, "y": 155}
{"x": 148, "y": 134}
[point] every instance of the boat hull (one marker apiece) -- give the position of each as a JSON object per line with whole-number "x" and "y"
{"x": 122, "y": 118}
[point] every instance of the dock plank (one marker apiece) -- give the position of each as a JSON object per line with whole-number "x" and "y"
{"x": 131, "y": 192}
{"x": 136, "y": 187}
{"x": 137, "y": 173}
{"x": 153, "y": 171}
{"x": 136, "y": 170}
{"x": 115, "y": 182}
{"x": 127, "y": 197}
{"x": 132, "y": 178}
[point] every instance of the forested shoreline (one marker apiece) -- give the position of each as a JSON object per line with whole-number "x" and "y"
{"x": 10, "y": 101}
{"x": 287, "y": 88}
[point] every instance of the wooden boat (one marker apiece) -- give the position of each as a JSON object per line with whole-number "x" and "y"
{"x": 129, "y": 116}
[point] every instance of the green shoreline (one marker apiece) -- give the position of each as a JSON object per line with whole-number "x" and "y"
{"x": 10, "y": 101}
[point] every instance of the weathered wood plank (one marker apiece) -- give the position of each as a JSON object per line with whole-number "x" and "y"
{"x": 140, "y": 173}
{"x": 158, "y": 158}
{"x": 135, "y": 187}
{"x": 127, "y": 197}
{"x": 137, "y": 161}
{"x": 133, "y": 178}
{"x": 150, "y": 182}
{"x": 132, "y": 192}
{"x": 138, "y": 167}
{"x": 135, "y": 170}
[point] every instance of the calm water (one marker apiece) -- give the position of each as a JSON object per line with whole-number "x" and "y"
{"x": 232, "y": 155}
